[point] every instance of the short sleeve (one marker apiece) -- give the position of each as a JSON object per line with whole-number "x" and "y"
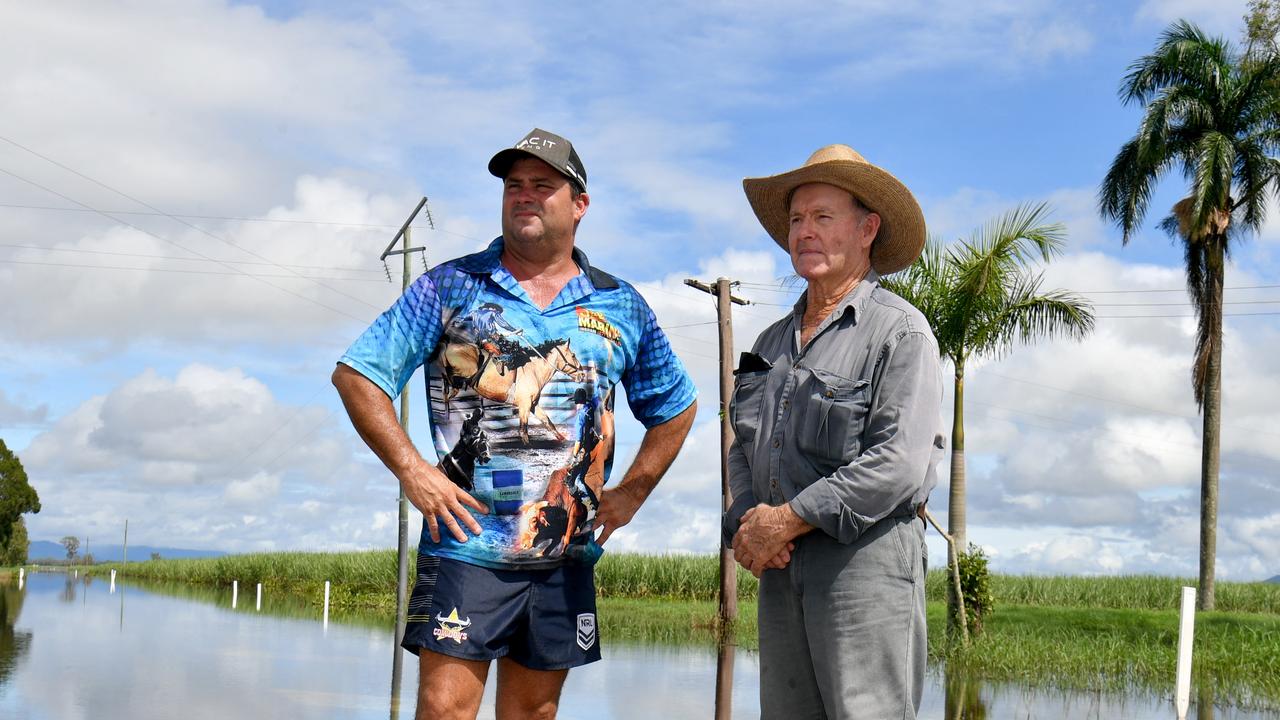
{"x": 658, "y": 387}
{"x": 400, "y": 340}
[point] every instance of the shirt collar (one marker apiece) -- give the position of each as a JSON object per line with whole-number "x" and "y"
{"x": 489, "y": 261}
{"x": 854, "y": 300}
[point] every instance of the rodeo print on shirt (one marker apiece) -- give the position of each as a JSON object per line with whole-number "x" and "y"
{"x": 522, "y": 399}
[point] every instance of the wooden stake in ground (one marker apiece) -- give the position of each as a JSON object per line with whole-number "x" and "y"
{"x": 953, "y": 563}
{"x": 1186, "y": 638}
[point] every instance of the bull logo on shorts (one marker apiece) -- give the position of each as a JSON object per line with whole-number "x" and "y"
{"x": 586, "y": 630}
{"x": 451, "y": 628}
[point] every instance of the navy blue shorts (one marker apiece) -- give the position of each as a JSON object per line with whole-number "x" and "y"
{"x": 542, "y": 619}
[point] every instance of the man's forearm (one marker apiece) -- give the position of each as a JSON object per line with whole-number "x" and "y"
{"x": 442, "y": 503}
{"x": 374, "y": 419}
{"x": 658, "y": 448}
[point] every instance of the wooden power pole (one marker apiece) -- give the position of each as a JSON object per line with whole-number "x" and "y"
{"x": 402, "y": 542}
{"x": 728, "y": 569}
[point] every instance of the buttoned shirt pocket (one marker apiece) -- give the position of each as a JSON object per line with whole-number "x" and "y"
{"x": 832, "y": 418}
{"x": 748, "y": 398}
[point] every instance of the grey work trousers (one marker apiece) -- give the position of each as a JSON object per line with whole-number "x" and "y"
{"x": 842, "y": 627}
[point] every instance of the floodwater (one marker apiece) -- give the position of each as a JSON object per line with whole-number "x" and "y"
{"x": 74, "y": 647}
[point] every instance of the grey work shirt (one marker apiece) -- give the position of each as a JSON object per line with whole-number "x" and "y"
{"x": 845, "y": 429}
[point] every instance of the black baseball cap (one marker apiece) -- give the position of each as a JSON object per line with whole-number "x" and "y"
{"x": 547, "y": 147}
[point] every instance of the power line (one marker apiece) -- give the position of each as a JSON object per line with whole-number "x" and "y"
{"x": 189, "y": 272}
{"x": 693, "y": 352}
{"x": 1113, "y": 401}
{"x": 661, "y": 289}
{"x": 324, "y": 419}
{"x": 1122, "y": 317}
{"x": 1071, "y": 423}
{"x": 781, "y": 288}
{"x": 690, "y": 338}
{"x": 181, "y": 259}
{"x": 333, "y": 223}
{"x": 181, "y": 247}
{"x": 686, "y": 325}
{"x": 1187, "y": 317}
{"x": 1185, "y": 304}
{"x": 772, "y": 289}
{"x": 297, "y": 412}
{"x": 1178, "y": 290}
{"x": 153, "y": 208}
{"x": 781, "y": 281}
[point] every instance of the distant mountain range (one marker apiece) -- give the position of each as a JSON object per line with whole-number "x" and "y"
{"x": 1275, "y": 579}
{"x": 45, "y": 550}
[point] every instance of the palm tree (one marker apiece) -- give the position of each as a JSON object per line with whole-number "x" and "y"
{"x": 980, "y": 297}
{"x": 1215, "y": 114}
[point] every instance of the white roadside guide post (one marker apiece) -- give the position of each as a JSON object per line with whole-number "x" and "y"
{"x": 326, "y": 604}
{"x": 235, "y": 593}
{"x": 113, "y": 582}
{"x": 259, "y": 605}
{"x": 22, "y": 577}
{"x": 1186, "y": 631}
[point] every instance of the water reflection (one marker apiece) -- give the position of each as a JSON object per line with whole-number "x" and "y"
{"x": 14, "y": 644}
{"x": 1202, "y": 708}
{"x": 186, "y": 647}
{"x": 724, "y": 678}
{"x": 397, "y": 670}
{"x": 967, "y": 698}
{"x": 68, "y": 593}
{"x": 963, "y": 697}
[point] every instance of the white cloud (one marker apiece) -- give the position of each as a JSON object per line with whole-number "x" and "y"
{"x": 253, "y": 491}
{"x": 212, "y": 292}
{"x": 17, "y": 413}
{"x": 187, "y": 456}
{"x": 175, "y": 93}
{"x": 1074, "y": 554}
{"x": 1221, "y": 17}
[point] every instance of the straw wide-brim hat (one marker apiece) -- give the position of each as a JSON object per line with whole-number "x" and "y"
{"x": 902, "y": 233}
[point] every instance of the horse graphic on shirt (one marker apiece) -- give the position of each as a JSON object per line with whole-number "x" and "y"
{"x": 518, "y": 382}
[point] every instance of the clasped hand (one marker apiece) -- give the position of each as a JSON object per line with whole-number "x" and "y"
{"x": 764, "y": 538}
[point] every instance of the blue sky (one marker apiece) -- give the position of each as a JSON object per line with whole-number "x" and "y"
{"x": 144, "y": 374}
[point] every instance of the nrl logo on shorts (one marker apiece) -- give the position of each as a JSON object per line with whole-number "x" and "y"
{"x": 586, "y": 630}
{"x": 451, "y": 628}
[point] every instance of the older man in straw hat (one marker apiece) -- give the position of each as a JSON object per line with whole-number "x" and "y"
{"x": 837, "y": 417}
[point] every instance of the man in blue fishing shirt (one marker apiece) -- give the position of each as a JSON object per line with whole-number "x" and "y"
{"x": 528, "y": 332}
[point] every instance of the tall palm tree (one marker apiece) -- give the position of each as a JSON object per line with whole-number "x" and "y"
{"x": 1214, "y": 114}
{"x": 980, "y": 297}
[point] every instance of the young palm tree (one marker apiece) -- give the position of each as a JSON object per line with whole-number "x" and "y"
{"x": 980, "y": 297}
{"x": 1214, "y": 114}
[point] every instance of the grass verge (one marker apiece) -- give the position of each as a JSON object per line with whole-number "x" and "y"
{"x": 1109, "y": 649}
